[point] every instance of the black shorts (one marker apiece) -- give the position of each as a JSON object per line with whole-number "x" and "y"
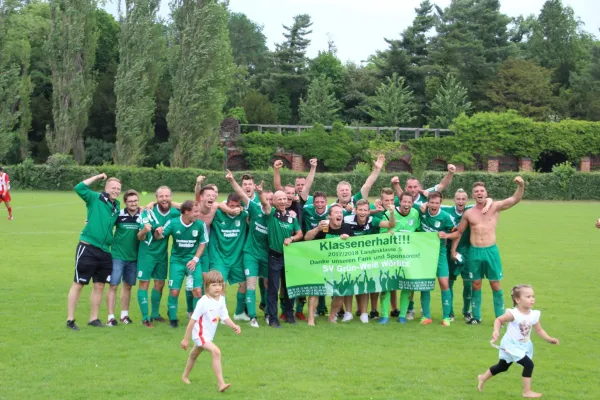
{"x": 92, "y": 262}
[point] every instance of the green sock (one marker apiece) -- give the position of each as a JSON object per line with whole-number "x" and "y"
{"x": 172, "y": 304}
{"x": 498, "y": 303}
{"x": 263, "y": 291}
{"x": 452, "y": 297}
{"x": 476, "y": 304}
{"x": 411, "y": 305}
{"x": 426, "y": 304}
{"x": 195, "y": 300}
{"x": 251, "y": 302}
{"x": 142, "y": 296}
{"x": 446, "y": 305}
{"x": 321, "y": 305}
{"x": 155, "y": 298}
{"x": 467, "y": 294}
{"x": 384, "y": 298}
{"x": 189, "y": 301}
{"x": 404, "y": 300}
{"x": 240, "y": 304}
{"x": 299, "y": 305}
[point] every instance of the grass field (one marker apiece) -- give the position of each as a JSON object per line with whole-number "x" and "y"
{"x": 552, "y": 245}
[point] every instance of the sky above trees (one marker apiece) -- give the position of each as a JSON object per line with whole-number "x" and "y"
{"x": 358, "y": 28}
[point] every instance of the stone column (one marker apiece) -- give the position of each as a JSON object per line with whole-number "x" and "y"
{"x": 297, "y": 162}
{"x": 460, "y": 167}
{"x": 525, "y": 164}
{"x": 585, "y": 164}
{"x": 493, "y": 164}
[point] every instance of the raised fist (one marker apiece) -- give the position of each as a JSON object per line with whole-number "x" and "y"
{"x": 278, "y": 164}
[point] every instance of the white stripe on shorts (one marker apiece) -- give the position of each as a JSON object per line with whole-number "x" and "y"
{"x": 78, "y": 255}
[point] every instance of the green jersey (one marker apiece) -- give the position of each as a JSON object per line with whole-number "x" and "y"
{"x": 101, "y": 217}
{"x": 254, "y": 199}
{"x": 358, "y": 196}
{"x": 441, "y": 222}
{"x": 465, "y": 239}
{"x": 257, "y": 243}
{"x": 125, "y": 242}
{"x": 227, "y": 237}
{"x": 309, "y": 201}
{"x": 370, "y": 227}
{"x": 420, "y": 198}
{"x": 281, "y": 226}
{"x": 311, "y": 218}
{"x": 155, "y": 249}
{"x": 408, "y": 223}
{"x": 186, "y": 238}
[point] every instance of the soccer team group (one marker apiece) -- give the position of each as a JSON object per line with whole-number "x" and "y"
{"x": 241, "y": 241}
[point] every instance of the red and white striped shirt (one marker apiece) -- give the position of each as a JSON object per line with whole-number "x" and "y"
{"x": 207, "y": 314}
{"x": 4, "y": 182}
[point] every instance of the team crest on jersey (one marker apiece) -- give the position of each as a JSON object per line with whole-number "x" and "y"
{"x": 290, "y": 219}
{"x": 237, "y": 223}
{"x": 145, "y": 220}
{"x": 411, "y": 222}
{"x": 437, "y": 224}
{"x": 194, "y": 233}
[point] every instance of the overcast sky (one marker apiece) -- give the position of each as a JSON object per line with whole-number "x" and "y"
{"x": 358, "y": 27}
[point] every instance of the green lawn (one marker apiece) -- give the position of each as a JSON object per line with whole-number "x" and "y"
{"x": 551, "y": 245}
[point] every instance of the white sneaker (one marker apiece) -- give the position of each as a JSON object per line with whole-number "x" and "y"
{"x": 410, "y": 315}
{"x": 254, "y": 323}
{"x": 241, "y": 317}
{"x": 316, "y": 314}
{"x": 364, "y": 318}
{"x": 347, "y": 317}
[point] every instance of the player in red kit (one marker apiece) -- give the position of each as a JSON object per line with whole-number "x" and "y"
{"x": 5, "y": 192}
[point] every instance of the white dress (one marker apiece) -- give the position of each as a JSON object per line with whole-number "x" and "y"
{"x": 516, "y": 342}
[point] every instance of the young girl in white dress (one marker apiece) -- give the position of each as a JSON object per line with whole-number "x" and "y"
{"x": 516, "y": 345}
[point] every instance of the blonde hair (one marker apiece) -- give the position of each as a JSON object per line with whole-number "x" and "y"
{"x": 515, "y": 293}
{"x": 113, "y": 179}
{"x": 213, "y": 276}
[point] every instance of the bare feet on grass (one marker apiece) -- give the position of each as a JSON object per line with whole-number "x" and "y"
{"x": 481, "y": 382}
{"x": 531, "y": 395}
{"x": 224, "y": 387}
{"x": 186, "y": 379}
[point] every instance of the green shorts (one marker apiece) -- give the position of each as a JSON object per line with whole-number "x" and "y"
{"x": 442, "y": 267}
{"x": 484, "y": 262}
{"x": 254, "y": 267}
{"x": 204, "y": 261}
{"x": 231, "y": 275}
{"x": 457, "y": 268}
{"x": 178, "y": 272}
{"x": 151, "y": 268}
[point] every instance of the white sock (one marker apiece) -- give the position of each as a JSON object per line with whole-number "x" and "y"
{"x": 111, "y": 316}
{"x": 124, "y": 314}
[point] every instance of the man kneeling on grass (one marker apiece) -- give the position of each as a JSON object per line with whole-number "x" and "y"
{"x": 203, "y": 325}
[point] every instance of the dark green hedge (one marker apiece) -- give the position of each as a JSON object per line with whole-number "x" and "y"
{"x": 580, "y": 186}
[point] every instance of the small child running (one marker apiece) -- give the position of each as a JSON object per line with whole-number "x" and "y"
{"x": 516, "y": 345}
{"x": 202, "y": 327}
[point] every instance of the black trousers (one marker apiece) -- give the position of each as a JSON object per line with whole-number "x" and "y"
{"x": 277, "y": 277}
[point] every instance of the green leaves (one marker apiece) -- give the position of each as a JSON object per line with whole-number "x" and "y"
{"x": 320, "y": 105}
{"x": 393, "y": 103}
{"x": 450, "y": 101}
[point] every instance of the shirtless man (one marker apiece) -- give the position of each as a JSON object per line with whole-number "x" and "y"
{"x": 483, "y": 259}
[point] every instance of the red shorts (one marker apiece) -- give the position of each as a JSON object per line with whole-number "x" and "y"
{"x": 5, "y": 197}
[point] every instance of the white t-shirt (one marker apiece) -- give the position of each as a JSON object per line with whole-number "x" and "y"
{"x": 208, "y": 312}
{"x": 519, "y": 330}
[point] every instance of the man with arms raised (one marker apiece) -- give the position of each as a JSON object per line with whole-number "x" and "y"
{"x": 344, "y": 189}
{"x": 413, "y": 186}
{"x": 153, "y": 262}
{"x": 483, "y": 259}
{"x": 124, "y": 258}
{"x": 92, "y": 258}
{"x": 256, "y": 248}
{"x": 302, "y": 185}
{"x": 189, "y": 240}
{"x": 284, "y": 229}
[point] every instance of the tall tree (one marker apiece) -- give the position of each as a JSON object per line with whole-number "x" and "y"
{"x": 449, "y": 102}
{"x": 557, "y": 41}
{"x": 140, "y": 46}
{"x": 393, "y": 103}
{"x": 361, "y": 83}
{"x": 288, "y": 77}
{"x": 584, "y": 96}
{"x": 320, "y": 105}
{"x": 472, "y": 41}
{"x": 248, "y": 43}
{"x": 524, "y": 86}
{"x": 71, "y": 50}
{"x": 327, "y": 64}
{"x": 202, "y": 68}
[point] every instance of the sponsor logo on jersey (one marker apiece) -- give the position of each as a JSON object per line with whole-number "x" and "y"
{"x": 437, "y": 224}
{"x": 194, "y": 233}
{"x": 178, "y": 232}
